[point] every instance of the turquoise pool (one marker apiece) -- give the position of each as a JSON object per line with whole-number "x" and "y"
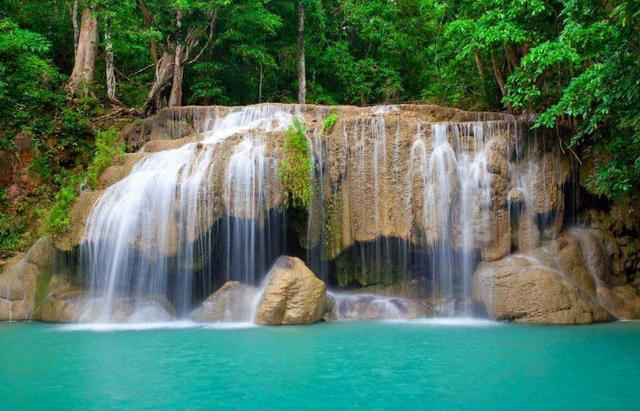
{"x": 434, "y": 365}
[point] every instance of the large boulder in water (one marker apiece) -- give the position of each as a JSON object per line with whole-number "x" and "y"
{"x": 293, "y": 295}
{"x": 231, "y": 302}
{"x": 519, "y": 289}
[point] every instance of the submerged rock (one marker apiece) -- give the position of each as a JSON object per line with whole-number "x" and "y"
{"x": 330, "y": 309}
{"x": 373, "y": 307}
{"x": 293, "y": 295}
{"x": 231, "y": 302}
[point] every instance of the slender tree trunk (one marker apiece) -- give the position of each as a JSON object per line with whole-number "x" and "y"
{"x": 302, "y": 79}
{"x": 511, "y": 56}
{"x": 497, "y": 71}
{"x": 85, "y": 59}
{"x": 74, "y": 21}
{"x": 175, "y": 99}
{"x": 108, "y": 60}
{"x": 479, "y": 66}
{"x": 162, "y": 81}
{"x": 260, "y": 85}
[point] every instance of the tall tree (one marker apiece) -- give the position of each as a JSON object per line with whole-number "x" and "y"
{"x": 302, "y": 75}
{"x": 85, "y": 57}
{"x": 188, "y": 29}
{"x": 110, "y": 67}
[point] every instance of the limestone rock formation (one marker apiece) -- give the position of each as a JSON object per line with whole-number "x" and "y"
{"x": 517, "y": 289}
{"x": 64, "y": 306}
{"x": 624, "y": 301}
{"x": 17, "y": 290}
{"x": 19, "y": 281}
{"x": 67, "y": 303}
{"x": 407, "y": 184}
{"x": 293, "y": 295}
{"x": 569, "y": 278}
{"x": 231, "y": 302}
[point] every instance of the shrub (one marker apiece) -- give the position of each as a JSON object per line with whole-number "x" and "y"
{"x": 294, "y": 171}
{"x": 57, "y": 220}
{"x": 107, "y": 149}
{"x": 329, "y": 122}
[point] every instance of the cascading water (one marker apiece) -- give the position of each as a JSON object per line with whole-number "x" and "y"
{"x": 453, "y": 185}
{"x": 251, "y": 232}
{"x": 144, "y": 238}
{"x": 447, "y": 202}
{"x": 596, "y": 262}
{"x": 395, "y": 198}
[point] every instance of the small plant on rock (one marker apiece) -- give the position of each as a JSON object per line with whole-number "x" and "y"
{"x": 294, "y": 170}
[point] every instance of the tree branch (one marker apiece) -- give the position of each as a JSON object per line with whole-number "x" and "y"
{"x": 148, "y": 19}
{"x": 212, "y": 26}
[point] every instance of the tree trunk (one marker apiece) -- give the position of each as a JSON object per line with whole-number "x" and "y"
{"x": 85, "y": 59}
{"x": 479, "y": 66}
{"x": 497, "y": 71}
{"x": 74, "y": 21}
{"x": 302, "y": 79}
{"x": 110, "y": 67}
{"x": 511, "y": 56}
{"x": 175, "y": 99}
{"x": 163, "y": 79}
{"x": 260, "y": 84}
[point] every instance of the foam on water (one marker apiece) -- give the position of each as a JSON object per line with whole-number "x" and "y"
{"x": 109, "y": 327}
{"x": 448, "y": 322}
{"x": 147, "y": 326}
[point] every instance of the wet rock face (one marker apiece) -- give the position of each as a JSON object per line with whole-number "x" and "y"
{"x": 65, "y": 305}
{"x": 19, "y": 279}
{"x": 515, "y": 289}
{"x": 231, "y": 302}
{"x": 569, "y": 281}
{"x": 17, "y": 290}
{"x": 68, "y": 304}
{"x": 293, "y": 295}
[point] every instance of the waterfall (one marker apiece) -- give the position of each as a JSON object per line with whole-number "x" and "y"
{"x": 399, "y": 193}
{"x": 251, "y": 233}
{"x": 144, "y": 237}
{"x": 596, "y": 261}
{"x": 454, "y": 185}
{"x": 448, "y": 198}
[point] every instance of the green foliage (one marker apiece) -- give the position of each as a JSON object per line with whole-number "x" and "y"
{"x": 294, "y": 170}
{"x": 29, "y": 84}
{"x": 329, "y": 122}
{"x": 58, "y": 220}
{"x": 107, "y": 150}
{"x": 589, "y": 74}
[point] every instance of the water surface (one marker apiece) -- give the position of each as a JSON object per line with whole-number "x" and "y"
{"x": 433, "y": 365}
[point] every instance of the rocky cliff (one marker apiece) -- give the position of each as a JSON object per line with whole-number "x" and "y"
{"x": 474, "y": 206}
